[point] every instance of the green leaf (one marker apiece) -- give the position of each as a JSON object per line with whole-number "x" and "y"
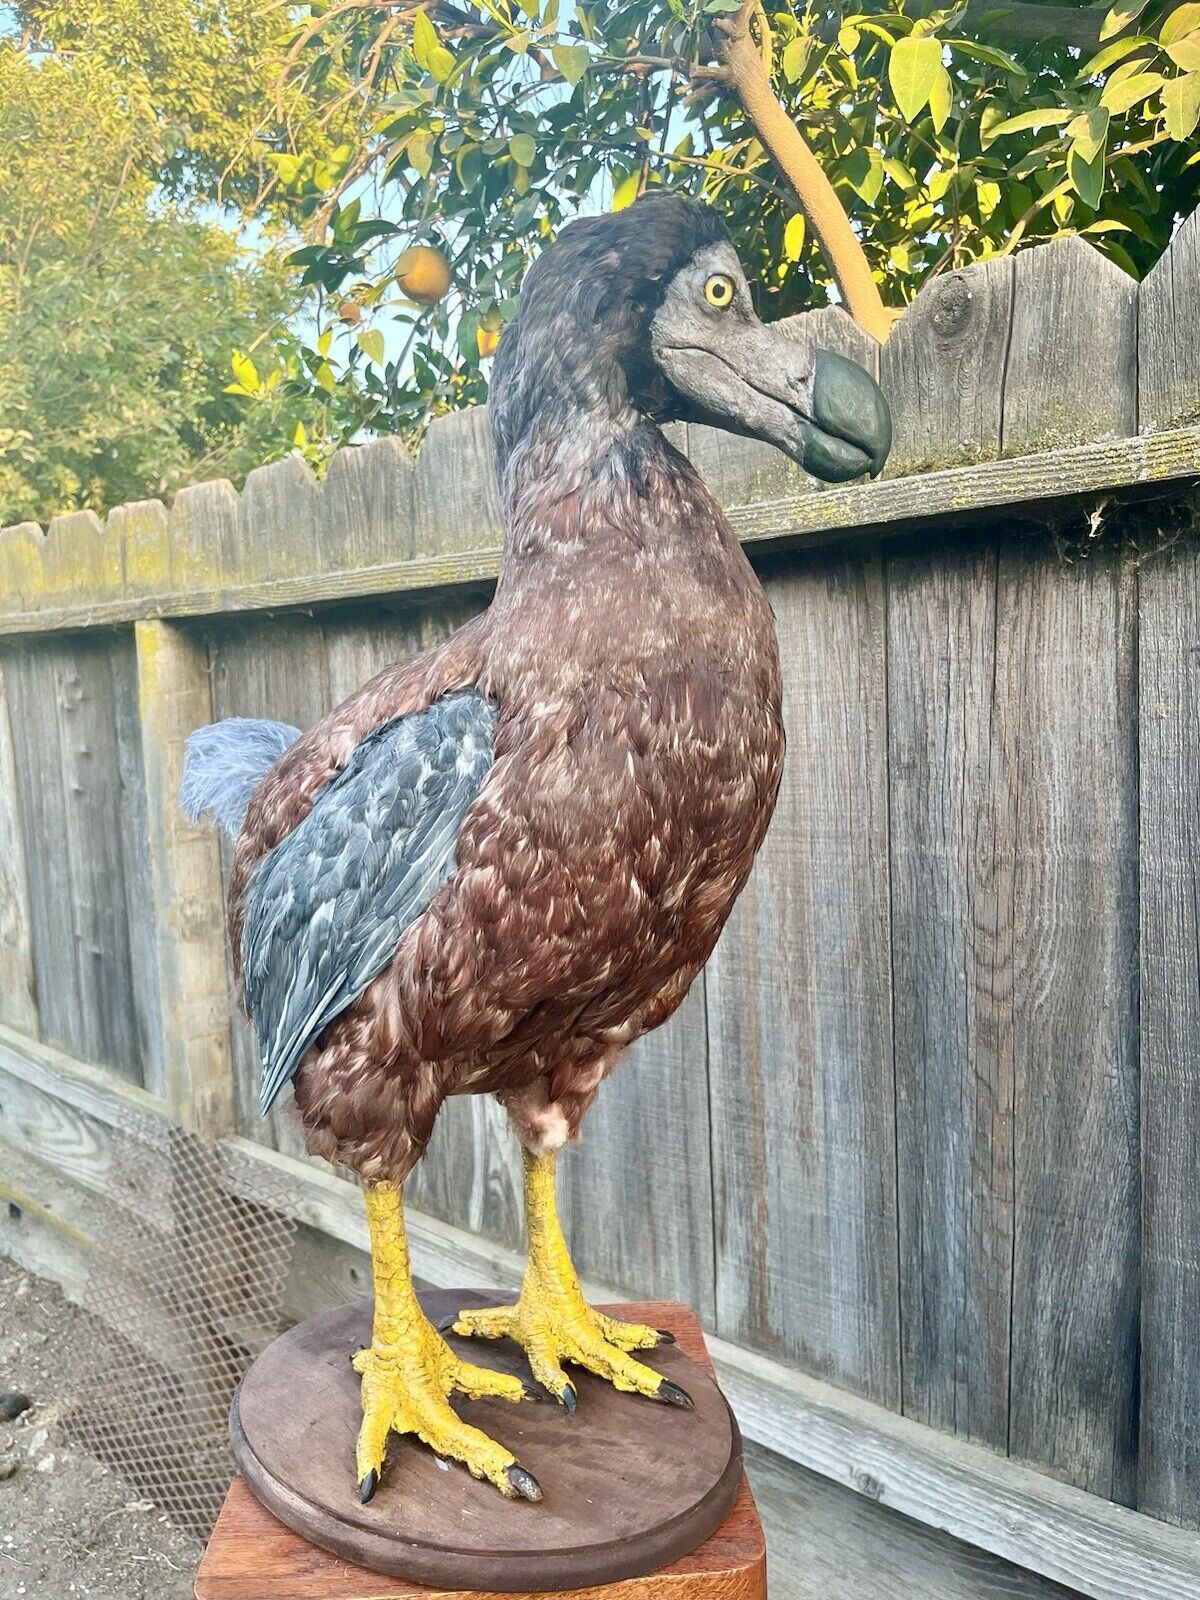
{"x": 420, "y": 149}
{"x": 1182, "y": 21}
{"x": 1088, "y": 133}
{"x": 245, "y": 372}
{"x": 1123, "y": 96}
{"x": 988, "y": 55}
{"x": 941, "y": 99}
{"x": 1119, "y": 18}
{"x": 913, "y": 68}
{"x": 370, "y": 342}
{"x": 1111, "y": 54}
{"x": 571, "y": 60}
{"x": 1087, "y": 177}
{"x": 625, "y": 192}
{"x": 1181, "y": 105}
{"x": 441, "y": 63}
{"x": 793, "y": 236}
{"x": 424, "y": 40}
{"x": 864, "y": 173}
{"x": 900, "y": 174}
{"x": 988, "y": 196}
{"x": 849, "y": 39}
{"x": 795, "y": 58}
{"x": 523, "y": 149}
{"x": 1185, "y": 52}
{"x": 1028, "y": 121}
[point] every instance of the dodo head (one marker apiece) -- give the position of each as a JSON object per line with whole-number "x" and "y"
{"x": 649, "y": 307}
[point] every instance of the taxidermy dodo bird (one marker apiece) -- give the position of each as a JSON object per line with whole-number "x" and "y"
{"x": 502, "y": 860}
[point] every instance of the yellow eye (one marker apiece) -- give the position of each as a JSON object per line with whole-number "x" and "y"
{"x": 718, "y": 291}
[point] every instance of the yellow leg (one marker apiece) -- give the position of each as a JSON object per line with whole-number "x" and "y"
{"x": 551, "y": 1320}
{"x": 409, "y": 1371}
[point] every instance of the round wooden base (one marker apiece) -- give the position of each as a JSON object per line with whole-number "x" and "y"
{"x": 628, "y": 1484}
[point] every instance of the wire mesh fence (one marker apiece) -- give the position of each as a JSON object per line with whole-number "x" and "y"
{"x": 185, "y": 1294}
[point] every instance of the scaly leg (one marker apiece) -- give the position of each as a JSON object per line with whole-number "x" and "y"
{"x": 409, "y": 1372}
{"x": 551, "y": 1320}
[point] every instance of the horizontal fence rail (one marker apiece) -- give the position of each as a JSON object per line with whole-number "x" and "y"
{"x": 925, "y": 1130}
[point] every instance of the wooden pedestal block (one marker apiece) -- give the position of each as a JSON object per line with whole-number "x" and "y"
{"x": 252, "y": 1556}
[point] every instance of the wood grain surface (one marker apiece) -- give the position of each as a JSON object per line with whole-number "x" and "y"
{"x": 1169, "y": 1455}
{"x": 800, "y": 1022}
{"x": 252, "y": 1557}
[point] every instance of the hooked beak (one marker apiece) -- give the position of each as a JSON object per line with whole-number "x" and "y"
{"x": 822, "y": 409}
{"x": 850, "y": 429}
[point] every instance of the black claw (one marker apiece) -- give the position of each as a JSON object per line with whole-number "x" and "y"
{"x": 665, "y": 1336}
{"x": 368, "y": 1486}
{"x": 447, "y": 1323}
{"x": 354, "y": 1354}
{"x": 569, "y": 1399}
{"x": 523, "y": 1482}
{"x": 534, "y": 1392}
{"x": 674, "y": 1395}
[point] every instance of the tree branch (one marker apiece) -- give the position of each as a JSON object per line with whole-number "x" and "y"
{"x": 745, "y": 73}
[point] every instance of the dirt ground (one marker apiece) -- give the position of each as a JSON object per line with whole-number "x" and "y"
{"x": 68, "y": 1525}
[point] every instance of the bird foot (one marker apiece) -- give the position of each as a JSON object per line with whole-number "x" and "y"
{"x": 554, "y": 1324}
{"x": 406, "y": 1388}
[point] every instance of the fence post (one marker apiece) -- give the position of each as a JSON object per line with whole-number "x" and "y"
{"x": 185, "y": 872}
{"x": 18, "y": 1002}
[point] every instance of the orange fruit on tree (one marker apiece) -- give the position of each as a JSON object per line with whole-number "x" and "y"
{"x": 350, "y": 312}
{"x": 423, "y": 273}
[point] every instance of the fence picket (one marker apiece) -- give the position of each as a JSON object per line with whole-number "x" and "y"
{"x": 942, "y": 370}
{"x": 952, "y": 941}
{"x": 1169, "y": 335}
{"x": 799, "y": 1006}
{"x": 365, "y": 506}
{"x": 1169, "y": 1458}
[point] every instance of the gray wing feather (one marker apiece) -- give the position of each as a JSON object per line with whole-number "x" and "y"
{"x": 326, "y": 907}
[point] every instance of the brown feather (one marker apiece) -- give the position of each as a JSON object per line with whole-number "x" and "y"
{"x": 631, "y": 653}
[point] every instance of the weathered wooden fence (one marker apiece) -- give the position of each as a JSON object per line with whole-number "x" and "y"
{"x": 923, "y": 1146}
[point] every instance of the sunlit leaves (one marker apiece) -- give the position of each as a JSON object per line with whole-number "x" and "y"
{"x": 912, "y": 72}
{"x": 1088, "y": 133}
{"x": 370, "y": 342}
{"x": 863, "y": 170}
{"x": 1185, "y": 52}
{"x": 1027, "y": 122}
{"x": 941, "y": 99}
{"x": 430, "y": 53}
{"x": 1179, "y": 23}
{"x": 794, "y": 58}
{"x": 571, "y": 60}
{"x": 1120, "y": 17}
{"x": 626, "y": 191}
{"x": 1126, "y": 93}
{"x": 245, "y": 375}
{"x": 1181, "y": 106}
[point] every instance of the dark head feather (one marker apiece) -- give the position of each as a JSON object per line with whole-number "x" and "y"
{"x": 580, "y": 339}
